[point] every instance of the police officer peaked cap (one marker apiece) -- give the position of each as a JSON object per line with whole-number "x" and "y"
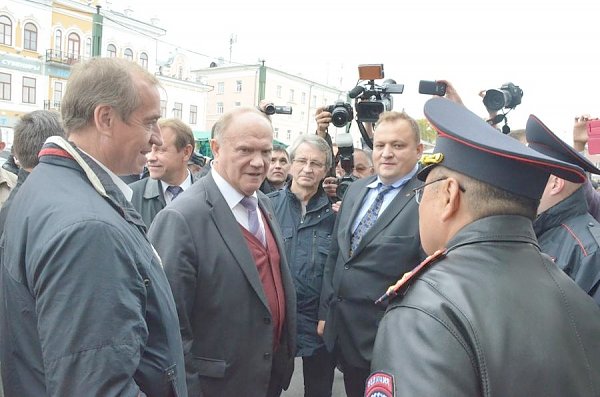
{"x": 470, "y": 146}
{"x": 542, "y": 140}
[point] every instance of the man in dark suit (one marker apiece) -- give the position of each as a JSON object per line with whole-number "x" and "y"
{"x": 224, "y": 256}
{"x": 375, "y": 240}
{"x": 169, "y": 174}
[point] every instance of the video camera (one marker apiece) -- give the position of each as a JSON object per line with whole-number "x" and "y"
{"x": 372, "y": 99}
{"x": 508, "y": 96}
{"x": 346, "y": 159}
{"x": 272, "y": 109}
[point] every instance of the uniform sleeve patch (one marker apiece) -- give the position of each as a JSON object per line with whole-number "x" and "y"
{"x": 380, "y": 384}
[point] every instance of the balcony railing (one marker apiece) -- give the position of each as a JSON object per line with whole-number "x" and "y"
{"x": 62, "y": 57}
{"x": 51, "y": 105}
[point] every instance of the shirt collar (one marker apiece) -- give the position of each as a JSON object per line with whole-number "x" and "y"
{"x": 126, "y": 190}
{"x": 232, "y": 196}
{"x": 399, "y": 183}
{"x": 187, "y": 182}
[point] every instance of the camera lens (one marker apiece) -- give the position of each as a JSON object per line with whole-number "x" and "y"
{"x": 270, "y": 109}
{"x": 495, "y": 99}
{"x": 340, "y": 117}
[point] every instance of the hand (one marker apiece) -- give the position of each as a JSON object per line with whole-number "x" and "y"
{"x": 335, "y": 207}
{"x": 330, "y": 186}
{"x": 451, "y": 93}
{"x": 323, "y": 118}
{"x": 580, "y": 136}
{"x": 321, "y": 328}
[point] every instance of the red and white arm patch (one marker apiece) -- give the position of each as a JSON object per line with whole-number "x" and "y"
{"x": 380, "y": 384}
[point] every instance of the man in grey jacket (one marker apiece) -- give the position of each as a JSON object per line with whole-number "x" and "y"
{"x": 168, "y": 168}
{"x": 87, "y": 307}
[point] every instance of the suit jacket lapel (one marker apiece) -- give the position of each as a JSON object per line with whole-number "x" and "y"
{"x": 153, "y": 191}
{"x": 347, "y": 222}
{"x": 232, "y": 236}
{"x": 396, "y": 206}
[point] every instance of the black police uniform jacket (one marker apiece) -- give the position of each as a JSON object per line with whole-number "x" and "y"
{"x": 571, "y": 236}
{"x": 494, "y": 317}
{"x": 86, "y": 306}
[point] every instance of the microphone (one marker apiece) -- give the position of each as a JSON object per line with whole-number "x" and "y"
{"x": 356, "y": 91}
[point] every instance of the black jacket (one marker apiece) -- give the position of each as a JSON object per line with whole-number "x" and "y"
{"x": 571, "y": 236}
{"x": 494, "y": 317}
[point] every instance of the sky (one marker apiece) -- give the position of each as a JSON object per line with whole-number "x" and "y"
{"x": 549, "y": 49}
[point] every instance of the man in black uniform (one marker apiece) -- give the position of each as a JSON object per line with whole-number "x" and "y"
{"x": 487, "y": 314}
{"x": 564, "y": 228}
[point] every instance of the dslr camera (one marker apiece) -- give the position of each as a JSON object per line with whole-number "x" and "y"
{"x": 273, "y": 109}
{"x": 341, "y": 113}
{"x": 346, "y": 159}
{"x": 508, "y": 96}
{"x": 374, "y": 99}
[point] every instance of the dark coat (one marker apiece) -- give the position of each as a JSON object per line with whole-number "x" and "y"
{"x": 494, "y": 317}
{"x": 307, "y": 239}
{"x": 571, "y": 236}
{"x": 148, "y": 198}
{"x": 88, "y": 308}
{"x": 223, "y": 312}
{"x": 351, "y": 284}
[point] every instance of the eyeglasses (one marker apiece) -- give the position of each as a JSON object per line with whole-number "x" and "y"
{"x": 311, "y": 164}
{"x": 418, "y": 191}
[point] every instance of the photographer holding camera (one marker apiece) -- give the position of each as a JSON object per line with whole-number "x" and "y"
{"x": 376, "y": 226}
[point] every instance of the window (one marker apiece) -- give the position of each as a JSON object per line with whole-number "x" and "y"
{"x": 303, "y": 98}
{"x": 289, "y": 135}
{"x": 237, "y": 104}
{"x": 73, "y": 44}
{"x": 144, "y": 60}
{"x": 30, "y": 39}
{"x": 220, "y": 87}
{"x": 313, "y": 101}
{"x": 58, "y": 40}
{"x": 276, "y": 131}
{"x": 111, "y": 51}
{"x": 88, "y": 47}
{"x": 193, "y": 114}
{"x": 58, "y": 91}
{"x": 5, "y": 86}
{"x": 128, "y": 54}
{"x": 291, "y": 95}
{"x": 177, "y": 110}
{"x": 219, "y": 107}
{"x": 5, "y": 30}
{"x": 278, "y": 91}
{"x": 163, "y": 108}
{"x": 238, "y": 86}
{"x": 28, "y": 90}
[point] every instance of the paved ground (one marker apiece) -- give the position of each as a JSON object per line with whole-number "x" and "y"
{"x": 296, "y": 388}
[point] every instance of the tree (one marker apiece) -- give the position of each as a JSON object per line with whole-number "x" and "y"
{"x": 428, "y": 134}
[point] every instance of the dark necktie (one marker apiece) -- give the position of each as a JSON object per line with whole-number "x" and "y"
{"x": 174, "y": 190}
{"x": 253, "y": 224}
{"x": 370, "y": 217}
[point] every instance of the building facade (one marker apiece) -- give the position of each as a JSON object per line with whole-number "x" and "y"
{"x": 240, "y": 85}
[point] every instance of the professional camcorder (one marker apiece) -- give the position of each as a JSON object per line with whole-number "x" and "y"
{"x": 346, "y": 159}
{"x": 341, "y": 113}
{"x": 373, "y": 99}
{"x": 508, "y": 96}
{"x": 272, "y": 109}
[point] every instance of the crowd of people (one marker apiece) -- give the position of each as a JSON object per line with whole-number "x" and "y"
{"x": 468, "y": 271}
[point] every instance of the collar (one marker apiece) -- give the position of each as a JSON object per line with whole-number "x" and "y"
{"x": 187, "y": 182}
{"x": 572, "y": 206}
{"x": 399, "y": 183}
{"x": 232, "y": 196}
{"x": 496, "y": 228}
{"x": 126, "y": 190}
